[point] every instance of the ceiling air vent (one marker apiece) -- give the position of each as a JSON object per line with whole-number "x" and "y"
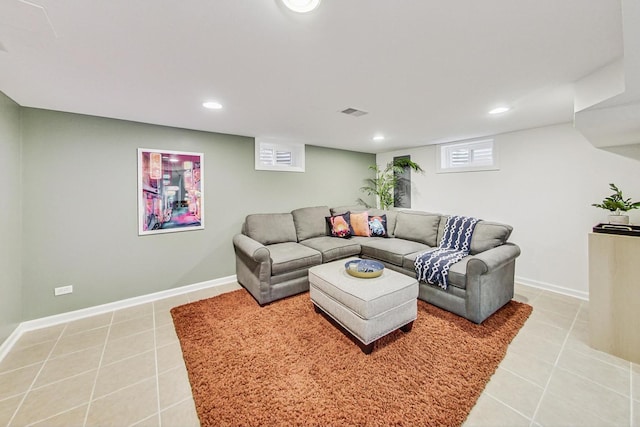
{"x": 353, "y": 112}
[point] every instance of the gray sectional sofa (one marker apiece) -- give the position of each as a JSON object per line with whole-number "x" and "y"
{"x": 274, "y": 252}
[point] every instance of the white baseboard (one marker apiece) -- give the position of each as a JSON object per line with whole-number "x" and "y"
{"x": 553, "y": 288}
{"x": 11, "y": 341}
{"x": 56, "y": 319}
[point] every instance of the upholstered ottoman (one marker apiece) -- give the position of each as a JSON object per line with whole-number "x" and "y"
{"x": 367, "y": 308}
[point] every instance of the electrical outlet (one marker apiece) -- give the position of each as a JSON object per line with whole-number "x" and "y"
{"x": 63, "y": 290}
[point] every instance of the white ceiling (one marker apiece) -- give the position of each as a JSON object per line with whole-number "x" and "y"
{"x": 426, "y": 71}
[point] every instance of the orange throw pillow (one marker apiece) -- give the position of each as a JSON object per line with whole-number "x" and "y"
{"x": 360, "y": 224}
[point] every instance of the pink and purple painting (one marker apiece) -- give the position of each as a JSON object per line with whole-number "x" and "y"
{"x": 170, "y": 191}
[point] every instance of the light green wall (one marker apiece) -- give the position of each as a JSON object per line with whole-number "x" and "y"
{"x": 80, "y": 207}
{"x": 10, "y": 218}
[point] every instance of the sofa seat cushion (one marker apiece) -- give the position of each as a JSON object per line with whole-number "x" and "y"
{"x": 289, "y": 256}
{"x": 390, "y": 250}
{"x": 454, "y": 294}
{"x": 333, "y": 248}
{"x": 457, "y": 272}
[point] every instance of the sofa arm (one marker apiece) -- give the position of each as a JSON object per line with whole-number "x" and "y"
{"x": 253, "y": 267}
{"x": 250, "y": 248}
{"x": 492, "y": 259}
{"x": 490, "y": 283}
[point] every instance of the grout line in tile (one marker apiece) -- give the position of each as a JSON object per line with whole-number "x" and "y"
{"x": 126, "y": 358}
{"x": 145, "y": 419}
{"x": 177, "y": 403}
{"x": 553, "y": 369}
{"x": 508, "y": 406}
{"x": 95, "y": 380}
{"x": 72, "y": 352}
{"x": 598, "y": 420}
{"x": 122, "y": 388}
{"x": 24, "y": 397}
{"x": 82, "y": 331}
{"x": 131, "y": 319}
{"x": 590, "y": 356}
{"x": 522, "y": 353}
{"x": 592, "y": 381}
{"x": 520, "y": 376}
{"x": 550, "y": 312}
{"x": 136, "y": 315}
{"x": 61, "y": 380}
{"x": 56, "y": 414}
{"x": 21, "y": 367}
{"x": 11, "y": 397}
{"x": 134, "y": 333}
{"x": 26, "y": 347}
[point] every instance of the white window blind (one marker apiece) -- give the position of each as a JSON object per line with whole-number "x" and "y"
{"x": 284, "y": 158}
{"x": 279, "y": 156}
{"x": 467, "y": 156}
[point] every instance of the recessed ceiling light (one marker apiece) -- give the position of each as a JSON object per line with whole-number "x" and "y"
{"x": 212, "y": 105}
{"x": 378, "y": 138}
{"x": 499, "y": 110}
{"x": 301, "y": 6}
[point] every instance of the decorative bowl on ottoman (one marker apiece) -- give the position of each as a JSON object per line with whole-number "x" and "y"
{"x": 364, "y": 268}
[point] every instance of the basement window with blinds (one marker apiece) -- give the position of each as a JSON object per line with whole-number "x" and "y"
{"x": 276, "y": 156}
{"x": 467, "y": 156}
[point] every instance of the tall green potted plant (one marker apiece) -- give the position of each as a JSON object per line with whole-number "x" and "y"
{"x": 385, "y": 180}
{"x": 617, "y": 204}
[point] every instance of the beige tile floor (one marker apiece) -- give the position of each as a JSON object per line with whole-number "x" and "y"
{"x": 551, "y": 377}
{"x": 125, "y": 368}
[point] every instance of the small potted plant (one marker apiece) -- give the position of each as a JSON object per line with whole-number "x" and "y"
{"x": 617, "y": 204}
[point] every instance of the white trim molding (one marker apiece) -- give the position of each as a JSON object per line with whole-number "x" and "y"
{"x": 553, "y": 288}
{"x": 57, "y": 319}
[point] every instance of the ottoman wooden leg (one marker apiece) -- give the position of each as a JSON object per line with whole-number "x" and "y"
{"x": 366, "y": 348}
{"x": 407, "y": 327}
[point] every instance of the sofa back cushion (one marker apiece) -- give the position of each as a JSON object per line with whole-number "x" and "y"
{"x": 349, "y": 208}
{"x": 311, "y": 222}
{"x": 487, "y": 235}
{"x": 391, "y": 219}
{"x": 270, "y": 228}
{"x": 418, "y": 226}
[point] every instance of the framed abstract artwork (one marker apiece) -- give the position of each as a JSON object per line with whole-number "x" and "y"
{"x": 170, "y": 191}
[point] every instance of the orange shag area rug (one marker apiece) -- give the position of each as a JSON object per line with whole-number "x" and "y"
{"x": 285, "y": 364}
